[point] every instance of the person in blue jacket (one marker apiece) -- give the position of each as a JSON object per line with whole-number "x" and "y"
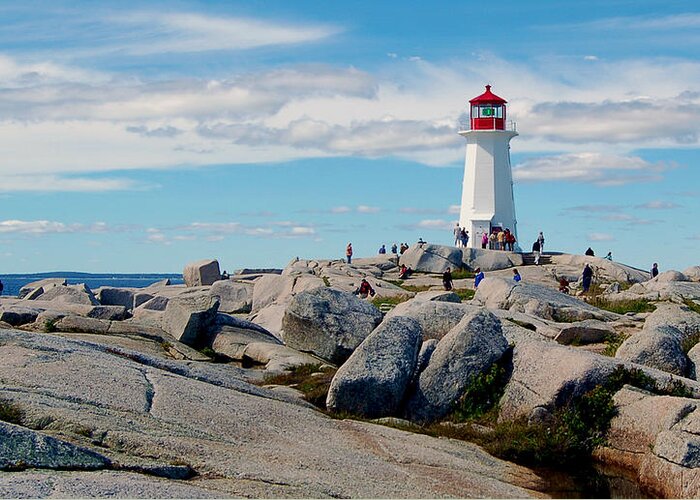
{"x": 479, "y": 276}
{"x": 516, "y": 275}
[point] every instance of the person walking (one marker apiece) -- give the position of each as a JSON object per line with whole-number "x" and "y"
{"x": 516, "y": 276}
{"x": 586, "y": 278}
{"x": 348, "y": 253}
{"x": 536, "y": 251}
{"x": 447, "y": 279}
{"x": 540, "y": 239}
{"x": 654, "y": 270}
{"x": 478, "y": 277}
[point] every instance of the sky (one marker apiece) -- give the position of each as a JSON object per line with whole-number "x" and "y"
{"x": 139, "y": 136}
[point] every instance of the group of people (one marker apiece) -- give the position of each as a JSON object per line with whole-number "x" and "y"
{"x": 395, "y": 249}
{"x": 461, "y": 236}
{"x": 500, "y": 240}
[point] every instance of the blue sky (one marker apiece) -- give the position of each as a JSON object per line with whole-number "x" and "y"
{"x": 139, "y": 136}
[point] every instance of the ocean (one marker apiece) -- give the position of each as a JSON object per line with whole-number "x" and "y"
{"x": 13, "y": 282}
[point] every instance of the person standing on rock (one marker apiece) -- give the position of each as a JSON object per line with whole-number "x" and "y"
{"x": 447, "y": 279}
{"x": 2, "y": 287}
{"x": 654, "y": 271}
{"x": 394, "y": 248}
{"x": 458, "y": 234}
{"x": 590, "y": 252}
{"x": 586, "y": 278}
{"x": 478, "y": 277}
{"x": 484, "y": 240}
{"x": 536, "y": 251}
{"x": 382, "y": 250}
{"x": 540, "y": 240}
{"x": 464, "y": 237}
{"x": 348, "y": 253}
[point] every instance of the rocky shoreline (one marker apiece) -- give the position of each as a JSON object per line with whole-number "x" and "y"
{"x": 113, "y": 391}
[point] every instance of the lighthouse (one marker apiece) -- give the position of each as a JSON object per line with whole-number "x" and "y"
{"x": 487, "y": 190}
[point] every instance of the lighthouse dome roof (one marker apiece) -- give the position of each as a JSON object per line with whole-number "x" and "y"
{"x": 488, "y": 97}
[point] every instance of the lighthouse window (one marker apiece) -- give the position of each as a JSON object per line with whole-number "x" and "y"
{"x": 487, "y": 112}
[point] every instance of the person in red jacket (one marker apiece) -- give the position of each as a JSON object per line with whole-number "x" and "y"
{"x": 365, "y": 289}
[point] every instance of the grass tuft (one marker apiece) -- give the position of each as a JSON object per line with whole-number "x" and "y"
{"x": 622, "y": 306}
{"x": 465, "y": 293}
{"x": 310, "y": 379}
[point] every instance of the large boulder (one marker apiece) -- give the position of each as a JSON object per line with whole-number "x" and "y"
{"x": 202, "y": 272}
{"x": 536, "y": 300}
{"x": 546, "y": 376}
{"x": 189, "y": 317}
{"x": 692, "y": 273}
{"x": 490, "y": 260}
{"x": 430, "y": 258}
{"x": 372, "y": 382}
{"x": 17, "y": 315}
{"x": 656, "y": 438}
{"x": 274, "y": 288}
{"x": 660, "y": 344}
{"x": 590, "y": 331}
{"x": 605, "y": 270}
{"x": 328, "y": 323}
{"x": 70, "y": 294}
{"x": 111, "y": 296}
{"x": 230, "y": 336}
{"x": 436, "y": 318}
{"x": 44, "y": 285}
{"x": 468, "y": 350}
{"x": 233, "y": 297}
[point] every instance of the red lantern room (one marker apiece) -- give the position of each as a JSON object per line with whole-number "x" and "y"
{"x": 488, "y": 111}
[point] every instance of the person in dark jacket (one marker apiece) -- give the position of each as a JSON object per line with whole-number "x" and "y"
{"x": 586, "y": 278}
{"x": 654, "y": 270}
{"x": 447, "y": 279}
{"x": 590, "y": 252}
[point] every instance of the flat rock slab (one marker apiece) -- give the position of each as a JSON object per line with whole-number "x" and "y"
{"x": 206, "y": 416}
{"x": 24, "y": 448}
{"x": 70, "y": 484}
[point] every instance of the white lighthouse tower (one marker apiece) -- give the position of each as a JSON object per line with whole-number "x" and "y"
{"x": 487, "y": 191}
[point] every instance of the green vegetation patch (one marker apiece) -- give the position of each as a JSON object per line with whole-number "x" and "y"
{"x": 392, "y": 301}
{"x": 465, "y": 293}
{"x": 462, "y": 274}
{"x": 10, "y": 412}
{"x": 612, "y": 343}
{"x": 622, "y": 306}
{"x": 692, "y": 305}
{"x": 482, "y": 394}
{"x": 312, "y": 380}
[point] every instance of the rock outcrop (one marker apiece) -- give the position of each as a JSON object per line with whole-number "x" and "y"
{"x": 469, "y": 349}
{"x": 373, "y": 381}
{"x": 202, "y": 272}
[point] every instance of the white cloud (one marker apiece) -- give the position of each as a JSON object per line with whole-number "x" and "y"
{"x": 600, "y": 237}
{"x": 187, "y": 32}
{"x": 40, "y": 227}
{"x": 596, "y": 113}
{"x": 366, "y": 209}
{"x": 431, "y": 224}
{"x": 658, "y": 205}
{"x": 48, "y": 183}
{"x": 594, "y": 168}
